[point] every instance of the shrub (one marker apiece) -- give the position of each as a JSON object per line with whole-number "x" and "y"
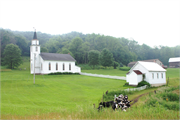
{"x": 65, "y": 73}
{"x": 124, "y": 68}
{"x": 170, "y": 96}
{"x": 126, "y": 84}
{"x": 102, "y": 67}
{"x": 142, "y": 83}
{"x": 116, "y": 64}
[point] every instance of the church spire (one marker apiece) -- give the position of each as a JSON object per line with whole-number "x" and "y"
{"x": 35, "y": 36}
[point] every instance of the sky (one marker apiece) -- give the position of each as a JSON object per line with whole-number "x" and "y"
{"x": 150, "y": 22}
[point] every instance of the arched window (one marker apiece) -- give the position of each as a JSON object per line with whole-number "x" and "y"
{"x": 36, "y": 49}
{"x": 56, "y": 66}
{"x": 49, "y": 66}
{"x": 69, "y": 66}
{"x": 63, "y": 66}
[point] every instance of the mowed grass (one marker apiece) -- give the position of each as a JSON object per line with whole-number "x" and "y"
{"x": 51, "y": 93}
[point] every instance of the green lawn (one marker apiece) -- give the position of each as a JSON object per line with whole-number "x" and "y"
{"x": 69, "y": 96}
{"x": 51, "y": 93}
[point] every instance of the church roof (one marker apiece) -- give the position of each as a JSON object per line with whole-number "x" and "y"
{"x": 151, "y": 66}
{"x": 57, "y": 57}
{"x": 35, "y": 36}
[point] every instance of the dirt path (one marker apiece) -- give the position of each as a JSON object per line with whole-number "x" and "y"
{"x": 137, "y": 98}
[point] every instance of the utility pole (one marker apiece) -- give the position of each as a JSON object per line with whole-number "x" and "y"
{"x": 34, "y": 68}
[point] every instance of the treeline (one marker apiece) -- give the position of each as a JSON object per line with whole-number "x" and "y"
{"x": 79, "y": 45}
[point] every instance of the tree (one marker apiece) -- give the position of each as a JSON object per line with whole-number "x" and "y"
{"x": 84, "y": 48}
{"x": 116, "y": 64}
{"x": 12, "y": 55}
{"x": 106, "y": 58}
{"x": 22, "y": 43}
{"x": 75, "y": 48}
{"x": 93, "y": 57}
{"x": 66, "y": 51}
{"x": 44, "y": 49}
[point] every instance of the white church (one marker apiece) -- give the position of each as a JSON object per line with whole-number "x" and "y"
{"x": 45, "y": 63}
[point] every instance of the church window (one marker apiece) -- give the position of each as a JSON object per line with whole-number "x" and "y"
{"x": 63, "y": 66}
{"x": 56, "y": 66}
{"x": 49, "y": 66}
{"x": 36, "y": 49}
{"x": 69, "y": 66}
{"x": 157, "y": 75}
{"x": 41, "y": 66}
{"x": 152, "y": 75}
{"x": 162, "y": 75}
{"x": 31, "y": 67}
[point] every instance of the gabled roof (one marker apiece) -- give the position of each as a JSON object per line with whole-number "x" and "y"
{"x": 57, "y": 57}
{"x": 150, "y": 66}
{"x": 176, "y": 59}
{"x": 151, "y": 60}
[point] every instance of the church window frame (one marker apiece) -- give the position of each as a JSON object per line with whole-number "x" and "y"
{"x": 63, "y": 66}
{"x": 69, "y": 66}
{"x": 49, "y": 66}
{"x": 41, "y": 66}
{"x": 56, "y": 66}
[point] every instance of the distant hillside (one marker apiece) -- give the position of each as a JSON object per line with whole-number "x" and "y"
{"x": 123, "y": 50}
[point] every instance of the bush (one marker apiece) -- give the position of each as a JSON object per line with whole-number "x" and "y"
{"x": 110, "y": 95}
{"x": 63, "y": 73}
{"x": 126, "y": 84}
{"x": 124, "y": 68}
{"x": 142, "y": 83}
{"x": 102, "y": 67}
{"x": 170, "y": 96}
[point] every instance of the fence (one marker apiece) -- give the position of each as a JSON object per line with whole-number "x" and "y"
{"x": 136, "y": 89}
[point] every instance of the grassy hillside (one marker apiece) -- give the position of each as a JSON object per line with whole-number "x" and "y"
{"x": 72, "y": 96}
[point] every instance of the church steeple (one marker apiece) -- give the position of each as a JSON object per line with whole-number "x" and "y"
{"x": 35, "y": 36}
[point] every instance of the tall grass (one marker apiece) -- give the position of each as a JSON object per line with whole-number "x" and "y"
{"x": 91, "y": 113}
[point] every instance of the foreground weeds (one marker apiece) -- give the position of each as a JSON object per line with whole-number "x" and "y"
{"x": 92, "y": 113}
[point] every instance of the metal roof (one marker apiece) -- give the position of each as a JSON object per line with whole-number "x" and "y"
{"x": 57, "y": 57}
{"x": 151, "y": 60}
{"x": 151, "y": 66}
{"x": 176, "y": 59}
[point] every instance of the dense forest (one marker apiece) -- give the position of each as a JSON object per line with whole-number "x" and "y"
{"x": 78, "y": 45}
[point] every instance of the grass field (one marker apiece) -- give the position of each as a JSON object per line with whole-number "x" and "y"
{"x": 50, "y": 93}
{"x": 71, "y": 96}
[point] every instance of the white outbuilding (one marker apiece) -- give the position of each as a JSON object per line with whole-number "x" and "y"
{"x": 44, "y": 63}
{"x": 149, "y": 71}
{"x": 174, "y": 62}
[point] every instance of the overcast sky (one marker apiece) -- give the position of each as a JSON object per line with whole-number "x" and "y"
{"x": 153, "y": 22}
